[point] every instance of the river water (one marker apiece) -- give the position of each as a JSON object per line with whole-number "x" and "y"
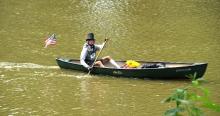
{"x": 166, "y": 30}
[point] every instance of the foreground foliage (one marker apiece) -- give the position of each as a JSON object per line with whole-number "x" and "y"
{"x": 189, "y": 99}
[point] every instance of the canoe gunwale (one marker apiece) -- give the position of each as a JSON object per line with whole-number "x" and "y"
{"x": 187, "y": 66}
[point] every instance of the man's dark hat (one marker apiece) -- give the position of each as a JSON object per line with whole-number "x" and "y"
{"x": 90, "y": 36}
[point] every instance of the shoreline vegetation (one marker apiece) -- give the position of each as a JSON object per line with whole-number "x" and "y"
{"x": 191, "y": 99}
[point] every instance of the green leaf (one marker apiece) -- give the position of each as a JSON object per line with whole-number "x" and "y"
{"x": 180, "y": 94}
{"x": 190, "y": 76}
{"x": 195, "y": 83}
{"x": 185, "y": 102}
{"x": 169, "y": 99}
{"x": 180, "y": 90}
{"x": 194, "y": 76}
{"x": 173, "y": 112}
{"x": 205, "y": 91}
{"x": 212, "y": 106}
{"x": 196, "y": 112}
{"x": 192, "y": 96}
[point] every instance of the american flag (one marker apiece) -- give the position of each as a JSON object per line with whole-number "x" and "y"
{"x": 50, "y": 41}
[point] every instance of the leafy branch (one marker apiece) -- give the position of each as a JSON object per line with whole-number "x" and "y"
{"x": 188, "y": 99}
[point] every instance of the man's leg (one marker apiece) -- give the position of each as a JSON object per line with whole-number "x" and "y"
{"x": 109, "y": 59}
{"x": 99, "y": 64}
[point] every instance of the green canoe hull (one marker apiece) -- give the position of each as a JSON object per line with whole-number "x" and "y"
{"x": 172, "y": 70}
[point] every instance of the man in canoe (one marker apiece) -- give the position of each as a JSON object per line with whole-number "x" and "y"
{"x": 88, "y": 54}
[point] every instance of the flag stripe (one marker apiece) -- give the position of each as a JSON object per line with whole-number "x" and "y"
{"x": 50, "y": 41}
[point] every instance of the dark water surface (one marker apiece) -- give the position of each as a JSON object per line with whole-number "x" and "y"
{"x": 151, "y": 30}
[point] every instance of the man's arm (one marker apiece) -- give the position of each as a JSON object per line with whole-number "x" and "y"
{"x": 83, "y": 57}
{"x": 99, "y": 47}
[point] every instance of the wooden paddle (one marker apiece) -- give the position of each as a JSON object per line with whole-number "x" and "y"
{"x": 106, "y": 40}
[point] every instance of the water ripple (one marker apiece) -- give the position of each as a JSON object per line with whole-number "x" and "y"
{"x": 11, "y": 65}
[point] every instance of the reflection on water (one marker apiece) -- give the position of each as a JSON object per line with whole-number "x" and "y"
{"x": 104, "y": 16}
{"x": 32, "y": 84}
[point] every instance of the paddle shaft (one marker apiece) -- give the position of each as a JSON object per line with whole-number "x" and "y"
{"x": 98, "y": 55}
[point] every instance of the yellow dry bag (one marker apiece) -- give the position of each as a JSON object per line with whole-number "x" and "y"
{"x": 132, "y": 63}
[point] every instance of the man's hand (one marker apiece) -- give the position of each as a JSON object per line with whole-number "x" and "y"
{"x": 90, "y": 68}
{"x": 106, "y": 39}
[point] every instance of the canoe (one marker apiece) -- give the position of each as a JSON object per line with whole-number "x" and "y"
{"x": 169, "y": 71}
